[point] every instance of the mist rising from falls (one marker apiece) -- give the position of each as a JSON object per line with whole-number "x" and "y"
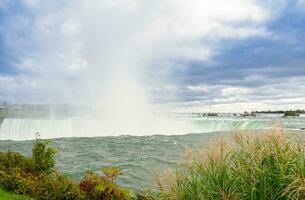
{"x": 119, "y": 56}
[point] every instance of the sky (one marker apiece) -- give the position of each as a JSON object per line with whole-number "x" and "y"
{"x": 189, "y": 55}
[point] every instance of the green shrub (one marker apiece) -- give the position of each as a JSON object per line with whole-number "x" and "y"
{"x": 42, "y": 160}
{"x": 36, "y": 177}
{"x": 40, "y": 186}
{"x": 55, "y": 186}
{"x": 145, "y": 196}
{"x": 269, "y": 166}
{"x": 291, "y": 114}
{"x": 10, "y": 159}
{"x": 13, "y": 180}
{"x": 103, "y": 187}
{"x": 43, "y": 156}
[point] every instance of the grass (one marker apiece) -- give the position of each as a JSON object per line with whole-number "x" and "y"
{"x": 252, "y": 166}
{"x": 4, "y": 195}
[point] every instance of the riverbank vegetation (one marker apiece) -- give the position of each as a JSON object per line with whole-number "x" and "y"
{"x": 37, "y": 177}
{"x": 287, "y": 113}
{"x": 292, "y": 114}
{"x": 258, "y": 165}
{"x": 269, "y": 165}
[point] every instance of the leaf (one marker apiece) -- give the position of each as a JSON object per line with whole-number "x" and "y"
{"x": 112, "y": 172}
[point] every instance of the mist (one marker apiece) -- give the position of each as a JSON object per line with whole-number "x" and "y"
{"x": 119, "y": 56}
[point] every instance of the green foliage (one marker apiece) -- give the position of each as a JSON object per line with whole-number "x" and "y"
{"x": 144, "y": 196}
{"x": 9, "y": 160}
{"x": 104, "y": 187}
{"x": 43, "y": 156}
{"x": 112, "y": 173}
{"x": 265, "y": 167}
{"x": 4, "y": 195}
{"x": 212, "y": 114}
{"x": 36, "y": 177}
{"x": 55, "y": 186}
{"x": 291, "y": 114}
{"x": 40, "y": 186}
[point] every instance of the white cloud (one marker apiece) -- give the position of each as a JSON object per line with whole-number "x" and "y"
{"x": 77, "y": 64}
{"x": 199, "y": 88}
{"x": 81, "y": 50}
{"x": 30, "y": 2}
{"x": 273, "y": 94}
{"x": 70, "y": 28}
{"x": 26, "y": 64}
{"x": 231, "y": 91}
{"x": 301, "y": 2}
{"x": 12, "y": 87}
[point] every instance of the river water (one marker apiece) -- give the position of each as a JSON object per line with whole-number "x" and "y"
{"x": 140, "y": 155}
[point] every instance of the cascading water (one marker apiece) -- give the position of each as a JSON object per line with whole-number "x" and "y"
{"x": 216, "y": 125}
{"x": 26, "y": 129}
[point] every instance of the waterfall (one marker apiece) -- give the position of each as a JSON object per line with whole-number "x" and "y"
{"x": 26, "y": 129}
{"x": 216, "y": 125}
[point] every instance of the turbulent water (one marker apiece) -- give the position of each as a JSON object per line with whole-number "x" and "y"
{"x": 86, "y": 144}
{"x": 139, "y": 156}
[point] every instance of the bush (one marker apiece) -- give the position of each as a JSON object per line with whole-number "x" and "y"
{"x": 10, "y": 160}
{"x": 266, "y": 166}
{"x": 36, "y": 177}
{"x": 43, "y": 157}
{"x": 40, "y": 186}
{"x": 13, "y": 180}
{"x": 104, "y": 187}
{"x": 55, "y": 186}
{"x": 291, "y": 114}
{"x": 144, "y": 196}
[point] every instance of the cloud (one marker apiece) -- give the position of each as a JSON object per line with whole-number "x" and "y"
{"x": 167, "y": 50}
{"x": 272, "y": 94}
{"x": 231, "y": 91}
{"x": 20, "y": 85}
{"x": 30, "y": 3}
{"x": 96, "y": 40}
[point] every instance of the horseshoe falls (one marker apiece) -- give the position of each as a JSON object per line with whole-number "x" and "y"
{"x": 26, "y": 128}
